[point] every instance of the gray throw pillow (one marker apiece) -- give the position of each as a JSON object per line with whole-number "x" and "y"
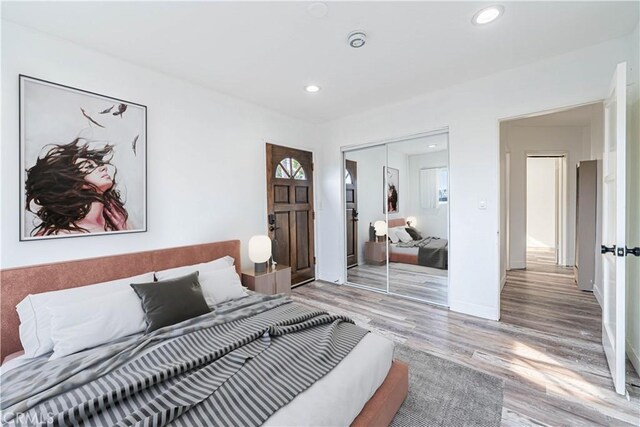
{"x": 171, "y": 301}
{"x": 414, "y": 233}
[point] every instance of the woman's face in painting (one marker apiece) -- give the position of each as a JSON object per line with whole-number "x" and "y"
{"x": 95, "y": 174}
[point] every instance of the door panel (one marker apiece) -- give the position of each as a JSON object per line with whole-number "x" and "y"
{"x": 351, "y": 199}
{"x": 613, "y": 228}
{"x": 290, "y": 199}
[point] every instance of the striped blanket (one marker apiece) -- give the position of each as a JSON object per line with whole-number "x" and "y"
{"x": 235, "y": 366}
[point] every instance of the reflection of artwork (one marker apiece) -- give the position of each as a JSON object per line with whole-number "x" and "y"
{"x": 82, "y": 162}
{"x": 392, "y": 189}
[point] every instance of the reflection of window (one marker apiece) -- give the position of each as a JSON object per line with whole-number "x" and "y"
{"x": 434, "y": 188}
{"x": 290, "y": 168}
{"x": 347, "y": 177}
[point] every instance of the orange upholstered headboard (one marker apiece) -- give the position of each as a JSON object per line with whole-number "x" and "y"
{"x": 397, "y": 222}
{"x": 17, "y": 283}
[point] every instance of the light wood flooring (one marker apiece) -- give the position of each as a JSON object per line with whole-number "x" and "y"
{"x": 546, "y": 348}
{"x": 415, "y": 281}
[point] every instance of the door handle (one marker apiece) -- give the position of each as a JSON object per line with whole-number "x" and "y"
{"x": 633, "y": 251}
{"x": 354, "y": 215}
{"x": 604, "y": 249}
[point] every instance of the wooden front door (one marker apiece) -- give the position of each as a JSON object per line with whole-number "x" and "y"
{"x": 351, "y": 202}
{"x": 290, "y": 210}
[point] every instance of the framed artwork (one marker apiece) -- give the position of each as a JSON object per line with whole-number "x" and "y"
{"x": 391, "y": 190}
{"x": 83, "y": 162}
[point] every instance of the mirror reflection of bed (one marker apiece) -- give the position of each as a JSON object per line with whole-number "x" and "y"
{"x": 399, "y": 248}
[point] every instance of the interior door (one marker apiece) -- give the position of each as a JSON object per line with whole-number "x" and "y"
{"x": 351, "y": 203}
{"x": 613, "y": 228}
{"x": 290, "y": 210}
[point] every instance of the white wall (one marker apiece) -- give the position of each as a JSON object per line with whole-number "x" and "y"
{"x": 471, "y": 111}
{"x": 521, "y": 140}
{"x": 206, "y": 154}
{"x": 430, "y": 222}
{"x": 541, "y": 202}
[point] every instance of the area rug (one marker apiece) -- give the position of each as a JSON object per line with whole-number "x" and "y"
{"x": 444, "y": 393}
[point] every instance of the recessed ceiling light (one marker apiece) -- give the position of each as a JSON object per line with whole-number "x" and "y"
{"x": 488, "y": 14}
{"x": 432, "y": 145}
{"x": 318, "y": 10}
{"x": 312, "y": 88}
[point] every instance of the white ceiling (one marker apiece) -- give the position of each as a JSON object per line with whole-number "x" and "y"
{"x": 266, "y": 52}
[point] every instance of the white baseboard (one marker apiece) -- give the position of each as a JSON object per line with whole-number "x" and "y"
{"x": 477, "y": 310}
{"x": 503, "y": 281}
{"x": 598, "y": 294}
{"x": 517, "y": 265}
{"x": 633, "y": 356}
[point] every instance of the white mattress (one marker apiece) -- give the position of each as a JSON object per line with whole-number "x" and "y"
{"x": 338, "y": 397}
{"x": 402, "y": 250}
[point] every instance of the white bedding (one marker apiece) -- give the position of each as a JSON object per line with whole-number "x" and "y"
{"x": 402, "y": 250}
{"x": 334, "y": 400}
{"x": 337, "y": 398}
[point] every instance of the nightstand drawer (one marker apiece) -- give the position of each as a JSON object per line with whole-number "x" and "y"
{"x": 272, "y": 281}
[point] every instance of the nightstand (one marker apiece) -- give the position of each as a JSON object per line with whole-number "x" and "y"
{"x": 273, "y": 281}
{"x": 375, "y": 253}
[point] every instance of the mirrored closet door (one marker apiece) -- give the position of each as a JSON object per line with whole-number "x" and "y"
{"x": 397, "y": 217}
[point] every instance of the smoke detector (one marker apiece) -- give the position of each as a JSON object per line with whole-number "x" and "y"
{"x": 357, "y": 39}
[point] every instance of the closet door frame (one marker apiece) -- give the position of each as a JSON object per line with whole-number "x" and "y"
{"x": 386, "y": 142}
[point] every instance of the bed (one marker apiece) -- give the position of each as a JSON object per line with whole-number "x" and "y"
{"x": 428, "y": 252}
{"x": 375, "y": 389}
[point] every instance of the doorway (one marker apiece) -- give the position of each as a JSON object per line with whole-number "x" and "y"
{"x": 290, "y": 210}
{"x": 544, "y": 206}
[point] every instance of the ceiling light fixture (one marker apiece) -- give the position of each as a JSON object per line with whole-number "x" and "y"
{"x": 312, "y": 88}
{"x": 318, "y": 10}
{"x": 487, "y": 15}
{"x": 357, "y": 39}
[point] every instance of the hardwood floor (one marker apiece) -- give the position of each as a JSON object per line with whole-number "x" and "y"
{"x": 415, "y": 281}
{"x": 546, "y": 348}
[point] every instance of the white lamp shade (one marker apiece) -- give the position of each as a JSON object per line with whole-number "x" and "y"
{"x": 381, "y": 228}
{"x": 260, "y": 248}
{"x": 412, "y": 221}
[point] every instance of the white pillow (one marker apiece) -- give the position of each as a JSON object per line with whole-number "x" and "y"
{"x": 216, "y": 264}
{"x": 35, "y": 321}
{"x": 391, "y": 233}
{"x": 95, "y": 321}
{"x": 221, "y": 285}
{"x": 403, "y": 235}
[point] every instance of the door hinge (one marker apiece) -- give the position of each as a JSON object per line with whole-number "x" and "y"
{"x": 314, "y": 260}
{"x": 313, "y": 215}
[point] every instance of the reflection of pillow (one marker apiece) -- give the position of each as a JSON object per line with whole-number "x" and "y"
{"x": 171, "y": 301}
{"x": 403, "y": 235}
{"x": 414, "y": 233}
{"x": 392, "y": 235}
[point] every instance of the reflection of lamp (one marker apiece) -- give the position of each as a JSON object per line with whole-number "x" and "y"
{"x": 260, "y": 252}
{"x": 381, "y": 228}
{"x": 411, "y": 221}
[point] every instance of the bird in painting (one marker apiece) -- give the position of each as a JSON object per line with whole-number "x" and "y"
{"x": 133, "y": 145}
{"x": 121, "y": 109}
{"x": 84, "y": 113}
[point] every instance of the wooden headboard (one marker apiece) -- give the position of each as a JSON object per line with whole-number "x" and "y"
{"x": 397, "y": 222}
{"x": 17, "y": 283}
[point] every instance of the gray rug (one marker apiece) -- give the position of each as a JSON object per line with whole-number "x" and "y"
{"x": 444, "y": 393}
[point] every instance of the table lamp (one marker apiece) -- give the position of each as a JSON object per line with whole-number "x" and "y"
{"x": 260, "y": 252}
